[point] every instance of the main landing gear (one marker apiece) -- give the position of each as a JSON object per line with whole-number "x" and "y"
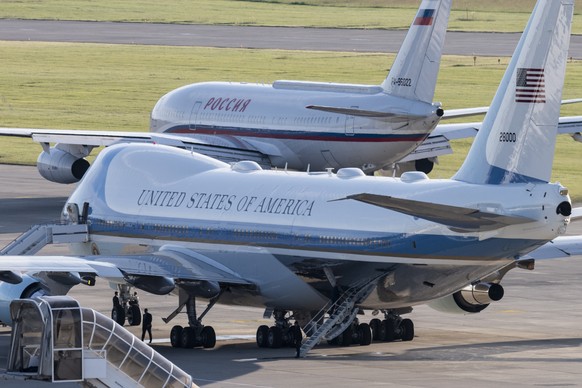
{"x": 195, "y": 334}
{"x": 278, "y": 335}
{"x": 392, "y": 328}
{"x": 128, "y": 308}
{"x": 355, "y": 334}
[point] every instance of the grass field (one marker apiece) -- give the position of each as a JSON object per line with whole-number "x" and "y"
{"x": 92, "y": 86}
{"x": 467, "y": 15}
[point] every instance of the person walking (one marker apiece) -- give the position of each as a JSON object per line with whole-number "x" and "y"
{"x": 146, "y": 325}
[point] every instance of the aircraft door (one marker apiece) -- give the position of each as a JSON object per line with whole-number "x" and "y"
{"x": 350, "y": 122}
{"x": 194, "y": 115}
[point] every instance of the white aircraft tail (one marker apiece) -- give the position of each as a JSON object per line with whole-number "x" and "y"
{"x": 414, "y": 72}
{"x": 516, "y": 141}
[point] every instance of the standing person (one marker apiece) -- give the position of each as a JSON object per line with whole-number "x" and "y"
{"x": 146, "y": 325}
{"x": 297, "y": 338}
{"x": 116, "y": 303}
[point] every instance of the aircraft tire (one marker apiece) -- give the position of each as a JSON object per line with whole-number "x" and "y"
{"x": 134, "y": 315}
{"x": 208, "y": 337}
{"x": 188, "y": 340}
{"x": 176, "y": 336}
{"x": 407, "y": 330}
{"x": 262, "y": 336}
{"x": 364, "y": 334}
{"x": 375, "y": 326}
{"x": 118, "y": 315}
{"x": 389, "y": 333}
{"x": 275, "y": 337}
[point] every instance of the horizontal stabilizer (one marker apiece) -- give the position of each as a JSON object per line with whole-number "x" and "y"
{"x": 457, "y": 218}
{"x": 366, "y": 113}
{"x": 558, "y": 248}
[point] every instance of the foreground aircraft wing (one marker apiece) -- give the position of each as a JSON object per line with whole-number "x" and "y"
{"x": 171, "y": 263}
{"x": 455, "y": 217}
{"x": 11, "y": 266}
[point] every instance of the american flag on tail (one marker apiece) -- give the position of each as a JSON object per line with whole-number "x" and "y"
{"x": 530, "y": 85}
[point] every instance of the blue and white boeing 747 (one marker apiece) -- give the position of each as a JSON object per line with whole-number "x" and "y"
{"x": 300, "y": 242}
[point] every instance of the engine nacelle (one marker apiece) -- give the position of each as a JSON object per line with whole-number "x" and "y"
{"x": 60, "y": 166}
{"x": 28, "y": 288}
{"x": 471, "y": 299}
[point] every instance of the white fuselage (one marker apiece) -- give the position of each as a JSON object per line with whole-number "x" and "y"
{"x": 276, "y": 121}
{"x": 143, "y": 197}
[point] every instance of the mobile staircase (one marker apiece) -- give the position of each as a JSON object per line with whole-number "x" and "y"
{"x": 38, "y": 236}
{"x": 56, "y": 340}
{"x": 340, "y": 314}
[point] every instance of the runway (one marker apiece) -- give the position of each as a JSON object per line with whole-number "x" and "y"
{"x": 533, "y": 337}
{"x": 285, "y": 38}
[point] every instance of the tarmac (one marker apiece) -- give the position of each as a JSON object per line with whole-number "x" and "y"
{"x": 532, "y": 337}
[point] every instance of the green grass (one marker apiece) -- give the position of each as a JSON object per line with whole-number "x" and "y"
{"x": 114, "y": 87}
{"x": 467, "y": 15}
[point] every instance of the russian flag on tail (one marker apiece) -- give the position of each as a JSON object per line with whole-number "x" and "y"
{"x": 424, "y": 17}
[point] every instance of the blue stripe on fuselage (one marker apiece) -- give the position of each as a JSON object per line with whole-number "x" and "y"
{"x": 314, "y": 239}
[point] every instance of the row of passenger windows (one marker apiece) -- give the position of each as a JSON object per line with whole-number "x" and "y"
{"x": 248, "y": 233}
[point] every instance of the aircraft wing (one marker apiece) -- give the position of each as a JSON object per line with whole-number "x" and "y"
{"x": 438, "y": 142}
{"x": 106, "y": 138}
{"x": 161, "y": 268}
{"x": 464, "y": 112}
{"x": 457, "y": 218}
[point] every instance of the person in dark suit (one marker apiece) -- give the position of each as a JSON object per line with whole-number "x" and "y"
{"x": 146, "y": 323}
{"x": 116, "y": 303}
{"x": 297, "y": 338}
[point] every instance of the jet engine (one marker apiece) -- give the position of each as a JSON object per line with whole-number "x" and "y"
{"x": 62, "y": 165}
{"x": 471, "y": 299}
{"x": 27, "y": 288}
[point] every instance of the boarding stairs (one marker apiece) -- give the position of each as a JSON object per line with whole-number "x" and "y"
{"x": 56, "y": 340}
{"x": 342, "y": 313}
{"x": 38, "y": 236}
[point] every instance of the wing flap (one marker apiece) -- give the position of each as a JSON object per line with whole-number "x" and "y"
{"x": 458, "y": 218}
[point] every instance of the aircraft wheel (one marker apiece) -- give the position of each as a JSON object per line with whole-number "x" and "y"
{"x": 188, "y": 338}
{"x": 176, "y": 336}
{"x": 375, "y": 326}
{"x": 118, "y": 315}
{"x": 364, "y": 334}
{"x": 274, "y": 337}
{"x": 345, "y": 338}
{"x": 389, "y": 333}
{"x": 262, "y": 336}
{"x": 407, "y": 330}
{"x": 134, "y": 315}
{"x": 208, "y": 337}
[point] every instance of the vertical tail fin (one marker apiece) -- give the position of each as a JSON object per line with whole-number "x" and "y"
{"x": 516, "y": 141}
{"x": 414, "y": 72}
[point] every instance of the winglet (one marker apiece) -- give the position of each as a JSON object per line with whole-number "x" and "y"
{"x": 517, "y": 138}
{"x": 414, "y": 72}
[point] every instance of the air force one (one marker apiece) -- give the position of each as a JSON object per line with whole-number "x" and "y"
{"x": 320, "y": 247}
{"x": 299, "y": 125}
